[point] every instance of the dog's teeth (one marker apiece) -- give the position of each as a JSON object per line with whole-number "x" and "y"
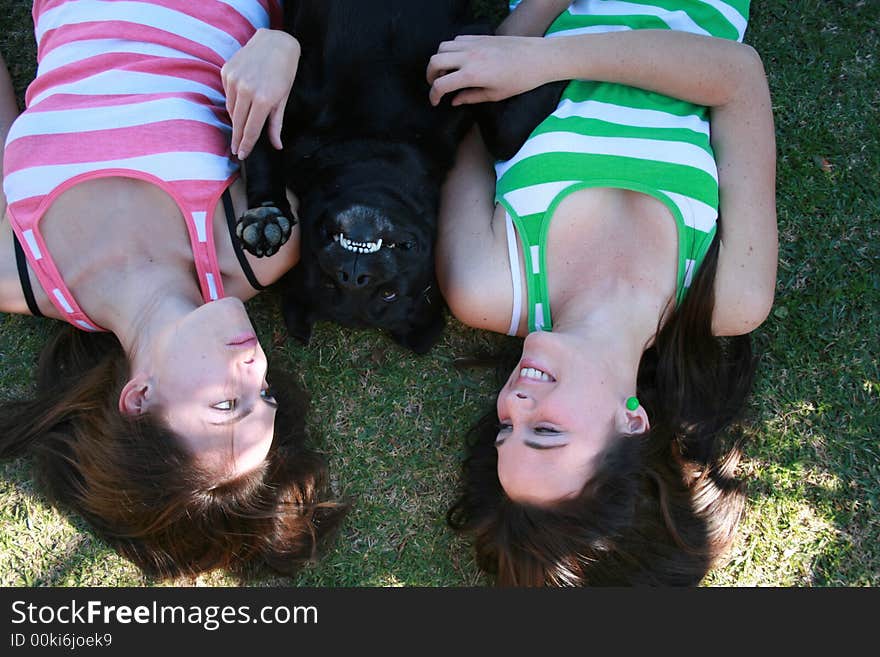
{"x": 357, "y": 247}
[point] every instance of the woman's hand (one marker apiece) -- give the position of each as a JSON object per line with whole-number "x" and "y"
{"x": 488, "y": 68}
{"x": 257, "y": 80}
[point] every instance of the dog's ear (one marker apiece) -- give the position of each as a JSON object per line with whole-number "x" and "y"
{"x": 428, "y": 323}
{"x": 298, "y": 320}
{"x": 298, "y": 316}
{"x": 505, "y": 125}
{"x": 422, "y": 337}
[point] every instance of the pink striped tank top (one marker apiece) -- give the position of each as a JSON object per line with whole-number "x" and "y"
{"x": 128, "y": 88}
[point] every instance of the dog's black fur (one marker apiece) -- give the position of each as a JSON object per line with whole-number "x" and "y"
{"x": 366, "y": 154}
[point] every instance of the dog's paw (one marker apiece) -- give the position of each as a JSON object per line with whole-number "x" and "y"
{"x": 264, "y": 229}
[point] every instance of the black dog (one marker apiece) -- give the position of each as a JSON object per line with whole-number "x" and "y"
{"x": 366, "y": 154}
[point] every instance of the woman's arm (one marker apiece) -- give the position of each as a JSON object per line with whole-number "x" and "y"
{"x": 8, "y": 113}
{"x": 532, "y": 17}
{"x": 725, "y": 75}
{"x": 471, "y": 258}
{"x": 744, "y": 141}
{"x": 11, "y": 297}
{"x": 678, "y": 64}
{"x": 472, "y": 268}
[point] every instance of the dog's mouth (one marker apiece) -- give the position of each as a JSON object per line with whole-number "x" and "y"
{"x": 356, "y": 246}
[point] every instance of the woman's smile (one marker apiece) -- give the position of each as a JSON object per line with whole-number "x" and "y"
{"x": 531, "y": 373}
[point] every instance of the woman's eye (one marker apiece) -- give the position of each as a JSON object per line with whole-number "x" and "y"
{"x": 547, "y": 430}
{"x": 502, "y": 426}
{"x": 268, "y": 396}
{"x": 225, "y": 405}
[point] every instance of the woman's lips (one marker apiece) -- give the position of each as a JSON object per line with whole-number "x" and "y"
{"x": 244, "y": 340}
{"x": 528, "y": 364}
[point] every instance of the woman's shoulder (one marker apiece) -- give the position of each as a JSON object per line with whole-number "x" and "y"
{"x": 475, "y": 276}
{"x": 11, "y": 296}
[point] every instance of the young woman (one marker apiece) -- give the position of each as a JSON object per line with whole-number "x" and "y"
{"x": 153, "y": 416}
{"x": 651, "y": 238}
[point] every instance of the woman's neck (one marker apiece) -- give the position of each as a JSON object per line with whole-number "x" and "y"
{"x": 139, "y": 304}
{"x": 615, "y": 320}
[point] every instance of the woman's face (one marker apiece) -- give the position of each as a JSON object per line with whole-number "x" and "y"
{"x": 209, "y": 376}
{"x": 557, "y": 416}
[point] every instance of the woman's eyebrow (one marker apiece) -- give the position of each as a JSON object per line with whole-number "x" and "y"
{"x": 531, "y": 443}
{"x": 536, "y": 445}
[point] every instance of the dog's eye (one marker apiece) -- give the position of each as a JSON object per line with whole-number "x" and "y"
{"x": 389, "y": 295}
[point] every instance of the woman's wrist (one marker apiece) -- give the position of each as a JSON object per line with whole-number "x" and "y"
{"x": 284, "y": 40}
{"x": 552, "y": 61}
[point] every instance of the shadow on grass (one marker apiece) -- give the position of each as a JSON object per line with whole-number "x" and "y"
{"x": 811, "y": 518}
{"x": 814, "y": 471}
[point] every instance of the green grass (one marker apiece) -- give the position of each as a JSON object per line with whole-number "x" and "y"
{"x": 391, "y": 423}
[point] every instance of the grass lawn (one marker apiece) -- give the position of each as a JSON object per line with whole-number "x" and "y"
{"x": 392, "y": 423}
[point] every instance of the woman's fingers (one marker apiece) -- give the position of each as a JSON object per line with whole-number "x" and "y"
{"x": 443, "y": 63}
{"x": 228, "y": 89}
{"x": 230, "y": 98}
{"x": 472, "y": 97}
{"x": 251, "y": 133}
{"x": 446, "y": 84}
{"x": 239, "y": 120}
{"x": 276, "y": 119}
{"x": 460, "y": 42}
{"x": 464, "y": 63}
{"x": 249, "y": 115}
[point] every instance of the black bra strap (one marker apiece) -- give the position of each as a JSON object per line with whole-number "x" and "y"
{"x": 236, "y": 246}
{"x": 24, "y": 279}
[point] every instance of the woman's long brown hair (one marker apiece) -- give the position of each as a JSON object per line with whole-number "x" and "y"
{"x": 141, "y": 491}
{"x": 663, "y": 506}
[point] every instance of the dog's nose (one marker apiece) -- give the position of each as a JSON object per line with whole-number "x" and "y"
{"x": 352, "y": 279}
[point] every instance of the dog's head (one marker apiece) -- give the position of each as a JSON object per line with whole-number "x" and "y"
{"x": 369, "y": 217}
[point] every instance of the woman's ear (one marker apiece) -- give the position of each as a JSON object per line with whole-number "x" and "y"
{"x": 631, "y": 421}
{"x": 136, "y": 395}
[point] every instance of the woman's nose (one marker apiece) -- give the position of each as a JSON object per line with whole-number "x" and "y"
{"x": 253, "y": 361}
{"x": 520, "y": 400}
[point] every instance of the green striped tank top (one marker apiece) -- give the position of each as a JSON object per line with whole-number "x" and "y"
{"x": 611, "y": 135}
